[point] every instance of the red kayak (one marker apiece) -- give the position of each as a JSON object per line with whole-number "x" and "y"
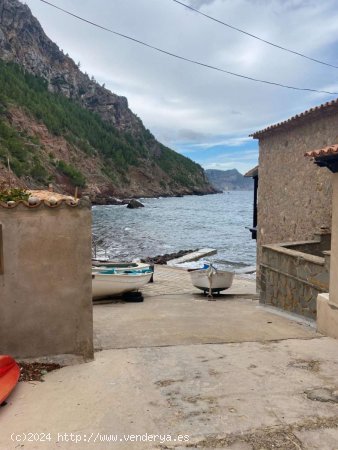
{"x": 9, "y": 376}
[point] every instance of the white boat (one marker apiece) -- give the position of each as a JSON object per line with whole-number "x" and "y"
{"x": 100, "y": 263}
{"x": 211, "y": 280}
{"x": 108, "y": 284}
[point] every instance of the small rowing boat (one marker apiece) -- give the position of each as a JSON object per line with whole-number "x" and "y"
{"x": 109, "y": 282}
{"x": 211, "y": 280}
{"x": 118, "y": 265}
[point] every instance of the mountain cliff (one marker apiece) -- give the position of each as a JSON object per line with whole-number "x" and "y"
{"x": 229, "y": 180}
{"x": 59, "y": 125}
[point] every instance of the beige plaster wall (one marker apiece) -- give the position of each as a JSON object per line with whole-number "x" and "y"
{"x": 334, "y": 246}
{"x": 327, "y": 304}
{"x": 294, "y": 195}
{"x": 327, "y": 316}
{"x": 45, "y": 288}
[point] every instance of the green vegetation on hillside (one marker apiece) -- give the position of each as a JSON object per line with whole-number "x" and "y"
{"x": 183, "y": 170}
{"x": 17, "y": 146}
{"x": 75, "y": 176}
{"x": 80, "y": 127}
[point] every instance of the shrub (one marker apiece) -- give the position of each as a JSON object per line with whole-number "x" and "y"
{"x": 13, "y": 194}
{"x": 38, "y": 172}
{"x": 76, "y": 177}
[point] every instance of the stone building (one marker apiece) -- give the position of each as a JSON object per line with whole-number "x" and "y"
{"x": 289, "y": 186}
{"x": 327, "y": 303}
{"x": 294, "y": 210}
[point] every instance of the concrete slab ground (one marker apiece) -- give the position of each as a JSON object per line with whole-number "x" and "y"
{"x": 175, "y": 313}
{"x": 254, "y": 385}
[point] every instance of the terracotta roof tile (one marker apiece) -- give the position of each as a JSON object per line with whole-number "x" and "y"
{"x": 326, "y": 151}
{"x": 292, "y": 121}
{"x": 49, "y": 204}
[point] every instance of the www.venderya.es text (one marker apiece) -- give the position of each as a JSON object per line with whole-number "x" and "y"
{"x": 96, "y": 437}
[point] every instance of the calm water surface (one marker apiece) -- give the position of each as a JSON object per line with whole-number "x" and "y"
{"x": 168, "y": 225}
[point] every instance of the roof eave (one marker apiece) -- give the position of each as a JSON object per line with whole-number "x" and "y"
{"x": 324, "y": 109}
{"x": 330, "y": 162}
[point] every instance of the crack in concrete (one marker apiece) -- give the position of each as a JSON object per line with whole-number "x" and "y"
{"x": 272, "y": 341}
{"x": 269, "y": 438}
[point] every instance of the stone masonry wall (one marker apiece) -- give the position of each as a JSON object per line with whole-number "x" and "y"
{"x": 291, "y": 280}
{"x": 294, "y": 196}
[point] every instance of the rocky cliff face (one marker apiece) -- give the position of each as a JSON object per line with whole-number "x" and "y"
{"x": 23, "y": 41}
{"x": 229, "y": 180}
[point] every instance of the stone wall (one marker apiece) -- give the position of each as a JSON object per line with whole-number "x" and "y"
{"x": 321, "y": 243}
{"x": 294, "y": 195}
{"x": 291, "y": 279}
{"x": 45, "y": 280}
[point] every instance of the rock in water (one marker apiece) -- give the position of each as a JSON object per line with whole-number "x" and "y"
{"x": 114, "y": 201}
{"x": 133, "y": 204}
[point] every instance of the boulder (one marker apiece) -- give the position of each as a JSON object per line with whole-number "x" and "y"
{"x": 133, "y": 204}
{"x": 114, "y": 201}
{"x": 99, "y": 201}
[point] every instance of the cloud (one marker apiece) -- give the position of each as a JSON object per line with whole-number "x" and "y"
{"x": 229, "y": 142}
{"x": 198, "y": 3}
{"x": 185, "y": 104}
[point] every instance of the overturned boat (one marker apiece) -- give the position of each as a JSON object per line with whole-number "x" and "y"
{"x": 9, "y": 376}
{"x": 211, "y": 280}
{"x": 112, "y": 282}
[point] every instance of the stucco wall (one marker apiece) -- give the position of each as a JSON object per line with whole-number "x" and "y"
{"x": 294, "y": 195}
{"x": 327, "y": 305}
{"x": 334, "y": 248}
{"x": 45, "y": 288}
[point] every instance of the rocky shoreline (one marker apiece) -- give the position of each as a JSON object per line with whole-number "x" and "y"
{"x": 115, "y": 201}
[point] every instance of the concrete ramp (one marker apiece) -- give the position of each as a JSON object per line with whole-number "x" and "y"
{"x": 193, "y": 256}
{"x": 176, "y": 313}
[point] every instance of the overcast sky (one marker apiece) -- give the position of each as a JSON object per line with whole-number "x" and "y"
{"x": 201, "y": 113}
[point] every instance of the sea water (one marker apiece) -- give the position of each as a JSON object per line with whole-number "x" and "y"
{"x": 167, "y": 225}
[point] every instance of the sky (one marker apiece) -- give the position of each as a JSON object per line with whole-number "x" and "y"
{"x": 203, "y": 114}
